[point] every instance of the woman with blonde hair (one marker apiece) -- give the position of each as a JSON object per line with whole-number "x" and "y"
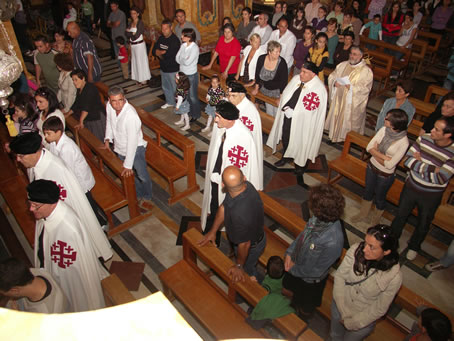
{"x": 248, "y": 64}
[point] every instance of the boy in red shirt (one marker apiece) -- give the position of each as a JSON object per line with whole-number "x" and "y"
{"x": 123, "y": 56}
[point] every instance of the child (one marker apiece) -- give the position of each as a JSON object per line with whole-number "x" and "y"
{"x": 214, "y": 95}
{"x": 320, "y": 23}
{"x": 274, "y": 304}
{"x": 318, "y": 54}
{"x": 122, "y": 56}
{"x": 87, "y": 15}
{"x": 181, "y": 97}
{"x": 25, "y": 114}
{"x": 65, "y": 148}
{"x": 71, "y": 16}
{"x": 374, "y": 26}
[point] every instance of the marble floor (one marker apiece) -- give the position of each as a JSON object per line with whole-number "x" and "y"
{"x": 153, "y": 241}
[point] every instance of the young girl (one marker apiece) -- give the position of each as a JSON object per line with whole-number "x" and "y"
{"x": 318, "y": 54}
{"x": 71, "y": 16}
{"x": 25, "y": 114}
{"x": 181, "y": 97}
{"x": 214, "y": 95}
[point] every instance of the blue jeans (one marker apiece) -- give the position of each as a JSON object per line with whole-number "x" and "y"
{"x": 378, "y": 185}
{"x": 169, "y": 86}
{"x": 448, "y": 258}
{"x": 250, "y": 266}
{"x": 427, "y": 204}
{"x": 193, "y": 96}
{"x": 339, "y": 333}
{"x": 141, "y": 176}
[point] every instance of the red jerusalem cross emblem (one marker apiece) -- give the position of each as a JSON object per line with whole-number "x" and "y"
{"x": 311, "y": 101}
{"x": 62, "y": 192}
{"x": 247, "y": 122}
{"x": 238, "y": 156}
{"x": 62, "y": 254}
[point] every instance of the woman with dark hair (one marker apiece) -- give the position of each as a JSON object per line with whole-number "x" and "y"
{"x": 187, "y": 57}
{"x": 61, "y": 45}
{"x": 245, "y": 27}
{"x": 302, "y": 48}
{"x": 346, "y": 25}
{"x": 399, "y": 101}
{"x": 392, "y": 24}
{"x": 342, "y": 52}
{"x": 432, "y": 325}
{"x": 309, "y": 258}
{"x": 318, "y": 54}
{"x": 88, "y": 108}
{"x": 226, "y": 20}
{"x": 387, "y": 148}
{"x": 298, "y": 24}
{"x": 140, "y": 69}
{"x": 25, "y": 113}
{"x": 444, "y": 108}
{"x": 271, "y": 75}
{"x": 66, "y": 90}
{"x": 365, "y": 285}
{"x": 333, "y": 40}
{"x": 228, "y": 49}
{"x": 47, "y": 104}
{"x": 277, "y": 14}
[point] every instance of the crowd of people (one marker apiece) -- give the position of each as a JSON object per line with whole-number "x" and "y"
{"x": 259, "y": 56}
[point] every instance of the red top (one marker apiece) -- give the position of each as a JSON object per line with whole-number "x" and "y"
{"x": 124, "y": 53}
{"x": 226, "y": 51}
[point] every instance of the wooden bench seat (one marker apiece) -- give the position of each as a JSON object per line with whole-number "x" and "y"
{"x": 418, "y": 55}
{"x": 422, "y": 109}
{"x": 219, "y": 264}
{"x": 381, "y": 66}
{"x": 435, "y": 91}
{"x": 115, "y": 292}
{"x": 206, "y": 303}
{"x": 433, "y": 40}
{"x": 167, "y": 164}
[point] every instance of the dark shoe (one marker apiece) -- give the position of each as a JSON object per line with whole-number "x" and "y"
{"x": 300, "y": 170}
{"x": 282, "y": 162}
{"x": 193, "y": 119}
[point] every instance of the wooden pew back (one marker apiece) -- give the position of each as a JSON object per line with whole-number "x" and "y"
{"x": 435, "y": 91}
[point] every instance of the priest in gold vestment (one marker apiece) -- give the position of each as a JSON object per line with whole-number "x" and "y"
{"x": 349, "y": 87}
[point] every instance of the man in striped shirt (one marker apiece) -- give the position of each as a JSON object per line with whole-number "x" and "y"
{"x": 431, "y": 165}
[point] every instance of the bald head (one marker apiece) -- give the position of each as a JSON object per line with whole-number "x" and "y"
{"x": 73, "y": 29}
{"x": 233, "y": 179}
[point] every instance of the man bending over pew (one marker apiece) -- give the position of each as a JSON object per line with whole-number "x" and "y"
{"x": 431, "y": 165}
{"x": 243, "y": 215}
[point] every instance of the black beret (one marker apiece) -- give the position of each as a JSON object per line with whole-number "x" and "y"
{"x": 227, "y": 110}
{"x": 28, "y": 143}
{"x": 311, "y": 67}
{"x": 43, "y": 191}
{"x": 237, "y": 87}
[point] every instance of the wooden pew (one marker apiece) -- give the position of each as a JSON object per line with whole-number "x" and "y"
{"x": 418, "y": 55}
{"x": 433, "y": 40}
{"x": 213, "y": 307}
{"x": 112, "y": 191}
{"x": 167, "y": 164}
{"x": 381, "y": 66}
{"x": 398, "y": 65}
{"x": 436, "y": 91}
{"x": 423, "y": 109}
{"x": 115, "y": 292}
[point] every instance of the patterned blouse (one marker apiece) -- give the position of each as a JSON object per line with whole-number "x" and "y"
{"x": 215, "y": 95}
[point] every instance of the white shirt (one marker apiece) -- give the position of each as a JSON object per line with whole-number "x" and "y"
{"x": 263, "y": 32}
{"x": 187, "y": 57}
{"x": 70, "y": 153}
{"x": 288, "y": 42}
{"x": 125, "y": 131}
{"x": 253, "y": 63}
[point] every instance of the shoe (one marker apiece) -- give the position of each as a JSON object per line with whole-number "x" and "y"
{"x": 186, "y": 121}
{"x": 180, "y": 122}
{"x": 193, "y": 119}
{"x": 204, "y": 130}
{"x": 411, "y": 254}
{"x": 281, "y": 162}
{"x": 186, "y": 127}
{"x": 146, "y": 204}
{"x": 299, "y": 170}
{"x": 105, "y": 228}
{"x": 165, "y": 106}
{"x": 435, "y": 266}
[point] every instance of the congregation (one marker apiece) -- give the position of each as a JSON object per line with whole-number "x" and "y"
{"x": 316, "y": 77}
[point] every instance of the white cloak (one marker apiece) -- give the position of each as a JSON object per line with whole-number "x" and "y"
{"x": 239, "y": 150}
{"x": 250, "y": 117}
{"x": 51, "y": 167}
{"x": 70, "y": 258}
{"x": 308, "y": 118}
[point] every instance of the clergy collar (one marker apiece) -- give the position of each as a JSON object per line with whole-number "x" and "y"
{"x": 356, "y": 65}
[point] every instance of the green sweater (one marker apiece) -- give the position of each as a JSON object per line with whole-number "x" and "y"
{"x": 274, "y": 304}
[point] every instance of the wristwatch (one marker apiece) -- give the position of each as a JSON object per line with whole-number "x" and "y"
{"x": 239, "y": 266}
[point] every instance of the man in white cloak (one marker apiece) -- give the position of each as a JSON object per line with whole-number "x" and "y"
{"x": 300, "y": 118}
{"x": 349, "y": 86}
{"x": 42, "y": 164}
{"x": 64, "y": 249}
{"x": 231, "y": 144}
{"x": 250, "y": 117}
